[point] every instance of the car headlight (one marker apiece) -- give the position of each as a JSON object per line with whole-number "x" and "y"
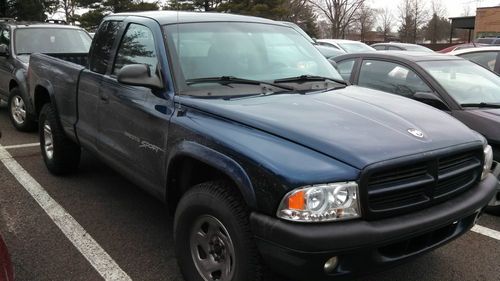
{"x": 321, "y": 203}
{"x": 488, "y": 161}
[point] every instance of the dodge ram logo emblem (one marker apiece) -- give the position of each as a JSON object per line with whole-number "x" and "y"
{"x": 416, "y": 133}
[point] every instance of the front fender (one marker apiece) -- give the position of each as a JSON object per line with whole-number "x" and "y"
{"x": 219, "y": 161}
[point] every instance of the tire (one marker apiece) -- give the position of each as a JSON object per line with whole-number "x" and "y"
{"x": 212, "y": 213}
{"x": 20, "y": 118}
{"x": 61, "y": 155}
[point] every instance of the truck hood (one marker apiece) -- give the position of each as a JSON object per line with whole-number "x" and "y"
{"x": 484, "y": 121}
{"x": 355, "y": 125}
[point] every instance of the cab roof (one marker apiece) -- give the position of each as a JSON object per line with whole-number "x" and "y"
{"x": 172, "y": 17}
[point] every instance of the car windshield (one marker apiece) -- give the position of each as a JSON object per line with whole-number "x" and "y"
{"x": 418, "y": 48}
{"x": 466, "y": 82}
{"x": 355, "y": 47}
{"x": 260, "y": 52}
{"x": 51, "y": 41}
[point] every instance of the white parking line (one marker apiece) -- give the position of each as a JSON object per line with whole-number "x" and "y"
{"x": 80, "y": 238}
{"x": 22, "y": 145}
{"x": 486, "y": 231}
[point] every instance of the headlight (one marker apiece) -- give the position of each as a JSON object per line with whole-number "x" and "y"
{"x": 321, "y": 203}
{"x": 488, "y": 161}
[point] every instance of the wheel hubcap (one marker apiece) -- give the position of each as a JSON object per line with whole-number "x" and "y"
{"x": 48, "y": 140}
{"x": 212, "y": 249}
{"x": 18, "y": 110}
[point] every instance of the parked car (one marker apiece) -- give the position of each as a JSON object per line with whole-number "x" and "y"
{"x": 348, "y": 46}
{"x": 6, "y": 268}
{"x": 488, "y": 57}
{"x": 460, "y": 47}
{"x": 263, "y": 152}
{"x": 489, "y": 40}
{"x": 465, "y": 90}
{"x": 18, "y": 40}
{"x": 327, "y": 51}
{"x": 400, "y": 47}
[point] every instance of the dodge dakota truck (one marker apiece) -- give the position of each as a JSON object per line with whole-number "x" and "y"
{"x": 18, "y": 40}
{"x": 266, "y": 157}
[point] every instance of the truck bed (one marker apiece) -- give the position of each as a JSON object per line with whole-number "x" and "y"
{"x": 60, "y": 73}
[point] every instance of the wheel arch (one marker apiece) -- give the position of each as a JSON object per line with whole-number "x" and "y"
{"x": 191, "y": 163}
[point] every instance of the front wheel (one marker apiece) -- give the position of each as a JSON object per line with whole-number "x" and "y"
{"x": 18, "y": 112}
{"x": 61, "y": 155}
{"x": 212, "y": 236}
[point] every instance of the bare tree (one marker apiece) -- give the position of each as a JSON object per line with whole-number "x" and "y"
{"x": 412, "y": 17}
{"x": 340, "y": 13}
{"x": 364, "y": 20}
{"x": 386, "y": 19}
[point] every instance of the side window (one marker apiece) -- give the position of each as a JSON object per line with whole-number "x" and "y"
{"x": 391, "y": 77}
{"x": 103, "y": 43}
{"x": 345, "y": 68}
{"x": 486, "y": 59}
{"x": 379, "y": 47}
{"x": 4, "y": 35}
{"x": 136, "y": 47}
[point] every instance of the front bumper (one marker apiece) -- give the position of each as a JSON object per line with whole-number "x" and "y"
{"x": 300, "y": 251}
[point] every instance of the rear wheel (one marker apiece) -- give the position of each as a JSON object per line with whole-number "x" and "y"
{"x": 213, "y": 240}
{"x": 61, "y": 155}
{"x": 18, "y": 112}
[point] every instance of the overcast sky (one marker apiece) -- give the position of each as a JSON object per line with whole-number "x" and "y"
{"x": 454, "y": 8}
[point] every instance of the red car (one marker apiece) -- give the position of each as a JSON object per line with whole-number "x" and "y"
{"x": 460, "y": 46}
{"x": 6, "y": 271}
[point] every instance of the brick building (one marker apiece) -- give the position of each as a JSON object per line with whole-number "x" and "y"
{"x": 487, "y": 22}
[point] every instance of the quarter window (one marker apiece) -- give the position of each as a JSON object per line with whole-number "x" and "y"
{"x": 486, "y": 59}
{"x": 391, "y": 77}
{"x": 103, "y": 44}
{"x": 345, "y": 68}
{"x": 137, "y": 47}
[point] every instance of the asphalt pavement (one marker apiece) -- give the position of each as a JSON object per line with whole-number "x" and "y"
{"x": 133, "y": 230}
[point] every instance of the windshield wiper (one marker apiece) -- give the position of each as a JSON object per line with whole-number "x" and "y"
{"x": 481, "y": 105}
{"x": 225, "y": 80}
{"x": 309, "y": 78}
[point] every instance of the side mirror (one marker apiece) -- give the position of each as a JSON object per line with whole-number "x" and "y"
{"x": 139, "y": 75}
{"x": 4, "y": 50}
{"x": 430, "y": 99}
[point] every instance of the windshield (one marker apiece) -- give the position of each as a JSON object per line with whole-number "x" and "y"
{"x": 466, "y": 82}
{"x": 245, "y": 50}
{"x": 418, "y": 48}
{"x": 51, "y": 41}
{"x": 355, "y": 47}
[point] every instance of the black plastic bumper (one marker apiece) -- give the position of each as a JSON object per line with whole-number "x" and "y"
{"x": 300, "y": 251}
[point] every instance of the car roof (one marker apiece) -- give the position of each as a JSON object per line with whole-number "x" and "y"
{"x": 29, "y": 24}
{"x": 172, "y": 17}
{"x": 337, "y": 40}
{"x": 473, "y": 50}
{"x": 396, "y": 44}
{"x": 401, "y": 56}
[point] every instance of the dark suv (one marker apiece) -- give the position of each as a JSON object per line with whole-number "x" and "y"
{"x": 18, "y": 40}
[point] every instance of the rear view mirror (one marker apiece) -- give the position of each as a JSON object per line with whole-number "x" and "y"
{"x": 139, "y": 75}
{"x": 4, "y": 50}
{"x": 430, "y": 99}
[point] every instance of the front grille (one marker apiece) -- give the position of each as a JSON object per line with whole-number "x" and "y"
{"x": 402, "y": 187}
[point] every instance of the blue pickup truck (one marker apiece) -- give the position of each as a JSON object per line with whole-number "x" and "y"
{"x": 266, "y": 157}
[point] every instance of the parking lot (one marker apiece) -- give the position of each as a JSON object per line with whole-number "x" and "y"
{"x": 134, "y": 230}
